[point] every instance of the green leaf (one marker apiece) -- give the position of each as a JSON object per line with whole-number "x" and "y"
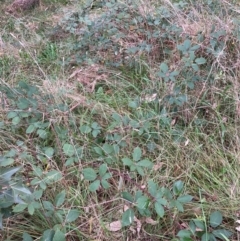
{"x": 127, "y": 217}
{"x": 108, "y": 149}
{"x": 106, "y": 176}
{"x": 159, "y": 209}
{"x": 105, "y": 184}
{"x": 6, "y": 162}
{"x": 42, "y": 133}
{"x": 140, "y": 171}
{"x": 200, "y": 61}
{"x": 185, "y": 198}
{"x": 48, "y": 206}
{"x": 68, "y": 149}
{"x": 11, "y": 115}
{"x": 89, "y": 174}
{"x": 145, "y": 163}
{"x": 16, "y": 120}
{"x": 23, "y": 103}
{"x": 164, "y": 67}
{"x": 179, "y": 206}
{"x": 216, "y": 219}
{"x": 184, "y": 234}
{"x": 69, "y": 161}
{"x": 7, "y": 173}
{"x": 31, "y": 209}
{"x": 95, "y": 133}
{"x": 26, "y": 237}
{"x": 21, "y": 189}
{"x": 177, "y": 187}
{"x": 30, "y": 129}
{"x": 187, "y": 44}
{"x": 49, "y": 151}
{"x": 222, "y": 233}
{"x": 137, "y": 153}
{"x": 85, "y": 129}
{"x": 199, "y": 224}
{"x": 127, "y": 196}
{"x": 142, "y": 202}
{"x": 60, "y": 198}
{"x": 72, "y": 215}
{"x": 205, "y": 237}
{"x": 93, "y": 187}
{"x": 47, "y": 235}
{"x": 59, "y": 236}
{"x": 152, "y": 188}
{"x": 54, "y": 175}
{"x": 127, "y": 162}
{"x": 102, "y": 170}
{"x": 98, "y": 150}
{"x": 20, "y": 207}
{"x": 1, "y": 221}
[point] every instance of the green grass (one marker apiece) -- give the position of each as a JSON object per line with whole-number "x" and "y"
{"x": 196, "y": 141}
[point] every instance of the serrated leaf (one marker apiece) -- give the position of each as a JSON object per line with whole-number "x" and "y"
{"x": 185, "y": 198}
{"x": 93, "y": 187}
{"x": 159, "y": 209}
{"x": 68, "y": 149}
{"x": 216, "y": 219}
{"x": 127, "y": 162}
{"x": 102, "y": 170}
{"x": 60, "y": 198}
{"x": 89, "y": 174}
{"x": 127, "y": 217}
{"x": 145, "y": 163}
{"x": 137, "y": 153}
{"x": 20, "y": 207}
{"x": 30, "y": 129}
{"x": 26, "y": 237}
{"x": 200, "y": 61}
{"x": 59, "y": 236}
{"x": 72, "y": 215}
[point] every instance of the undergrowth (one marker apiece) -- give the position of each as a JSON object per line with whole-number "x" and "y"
{"x": 120, "y": 120}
